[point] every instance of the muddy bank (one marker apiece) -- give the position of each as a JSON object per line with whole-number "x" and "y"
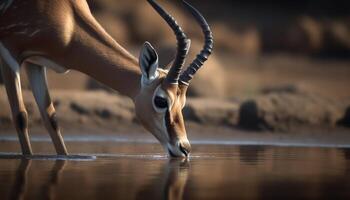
{"x": 276, "y": 111}
{"x": 288, "y": 111}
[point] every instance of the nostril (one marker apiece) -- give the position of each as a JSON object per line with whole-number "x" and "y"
{"x": 183, "y": 150}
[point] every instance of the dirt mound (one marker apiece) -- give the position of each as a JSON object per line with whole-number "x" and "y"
{"x": 275, "y": 111}
{"x": 286, "y": 111}
{"x": 96, "y": 108}
{"x": 211, "y": 111}
{"x": 345, "y": 120}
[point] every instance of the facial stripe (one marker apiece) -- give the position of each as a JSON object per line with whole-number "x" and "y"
{"x": 167, "y": 122}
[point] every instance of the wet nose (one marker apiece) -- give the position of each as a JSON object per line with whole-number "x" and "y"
{"x": 185, "y": 148}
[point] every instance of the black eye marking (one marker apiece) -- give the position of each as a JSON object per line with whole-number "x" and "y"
{"x": 160, "y": 102}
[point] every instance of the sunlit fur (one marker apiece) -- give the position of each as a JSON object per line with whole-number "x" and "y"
{"x": 63, "y": 35}
{"x": 153, "y": 119}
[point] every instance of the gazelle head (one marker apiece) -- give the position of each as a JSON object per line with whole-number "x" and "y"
{"x": 162, "y": 95}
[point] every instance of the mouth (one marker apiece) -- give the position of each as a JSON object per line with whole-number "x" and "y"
{"x": 178, "y": 151}
{"x": 184, "y": 151}
{"x": 182, "y": 155}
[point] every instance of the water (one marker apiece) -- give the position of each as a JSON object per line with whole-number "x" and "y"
{"x": 127, "y": 170}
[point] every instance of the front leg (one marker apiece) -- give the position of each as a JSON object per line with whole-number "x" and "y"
{"x": 19, "y": 113}
{"x": 37, "y": 78}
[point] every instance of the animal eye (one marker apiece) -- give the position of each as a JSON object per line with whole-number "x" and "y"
{"x": 160, "y": 102}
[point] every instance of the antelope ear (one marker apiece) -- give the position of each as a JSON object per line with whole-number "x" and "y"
{"x": 148, "y": 62}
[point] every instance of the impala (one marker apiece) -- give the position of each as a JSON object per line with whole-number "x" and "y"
{"x": 63, "y": 35}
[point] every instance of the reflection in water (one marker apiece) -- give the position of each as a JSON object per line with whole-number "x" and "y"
{"x": 215, "y": 172}
{"x": 21, "y": 181}
{"x": 250, "y": 154}
{"x": 176, "y": 178}
{"x": 346, "y": 153}
{"x": 171, "y": 180}
{"x": 19, "y": 187}
{"x": 48, "y": 190}
{"x": 281, "y": 189}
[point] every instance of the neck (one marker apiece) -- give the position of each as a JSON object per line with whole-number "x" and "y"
{"x": 113, "y": 67}
{"x": 100, "y": 57}
{"x": 72, "y": 38}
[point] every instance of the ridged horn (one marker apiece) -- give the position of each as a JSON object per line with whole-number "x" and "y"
{"x": 189, "y": 73}
{"x": 183, "y": 44}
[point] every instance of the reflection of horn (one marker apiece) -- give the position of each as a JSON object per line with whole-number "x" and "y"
{"x": 19, "y": 186}
{"x": 49, "y": 189}
{"x": 177, "y": 175}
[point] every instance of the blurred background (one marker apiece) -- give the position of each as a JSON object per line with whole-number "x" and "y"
{"x": 284, "y": 56}
{"x": 278, "y": 67}
{"x": 259, "y": 45}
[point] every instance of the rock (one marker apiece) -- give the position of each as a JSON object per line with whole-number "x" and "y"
{"x": 304, "y": 35}
{"x": 211, "y": 111}
{"x": 95, "y": 85}
{"x": 336, "y": 39}
{"x": 77, "y": 107}
{"x": 249, "y": 116}
{"x": 312, "y": 30}
{"x": 292, "y": 89}
{"x": 97, "y": 105}
{"x": 326, "y": 38}
{"x": 284, "y": 112}
{"x": 274, "y": 111}
{"x": 133, "y": 22}
{"x": 99, "y": 108}
{"x": 345, "y": 120}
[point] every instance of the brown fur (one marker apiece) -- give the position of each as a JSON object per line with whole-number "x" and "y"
{"x": 66, "y": 33}
{"x": 70, "y": 36}
{"x": 175, "y": 127}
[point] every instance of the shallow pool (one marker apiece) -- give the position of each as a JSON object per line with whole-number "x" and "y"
{"x": 126, "y": 170}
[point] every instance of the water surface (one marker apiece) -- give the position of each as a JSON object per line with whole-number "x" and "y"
{"x": 127, "y": 170}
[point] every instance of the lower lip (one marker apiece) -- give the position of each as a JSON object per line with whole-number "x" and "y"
{"x": 175, "y": 156}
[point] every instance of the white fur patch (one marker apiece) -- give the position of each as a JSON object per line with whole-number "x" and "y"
{"x": 145, "y": 81}
{"x": 37, "y": 80}
{"x": 42, "y": 61}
